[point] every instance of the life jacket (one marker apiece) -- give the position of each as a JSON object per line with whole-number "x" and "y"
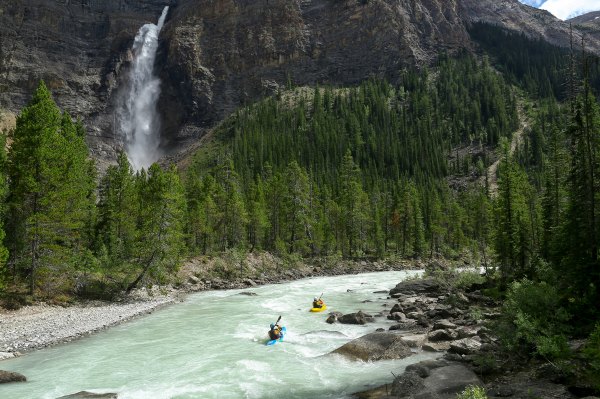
{"x": 275, "y": 333}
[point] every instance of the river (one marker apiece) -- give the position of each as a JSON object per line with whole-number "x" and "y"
{"x": 212, "y": 346}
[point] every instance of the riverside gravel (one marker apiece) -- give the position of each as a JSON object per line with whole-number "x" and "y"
{"x": 42, "y": 325}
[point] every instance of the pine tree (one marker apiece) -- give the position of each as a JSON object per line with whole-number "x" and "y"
{"x": 159, "y": 233}
{"x": 258, "y": 221}
{"x": 516, "y": 220}
{"x": 117, "y": 205}
{"x": 3, "y": 195}
{"x": 353, "y": 202}
{"x": 232, "y": 217}
{"x": 296, "y": 207}
{"x": 51, "y": 191}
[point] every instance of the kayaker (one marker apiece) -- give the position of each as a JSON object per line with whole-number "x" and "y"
{"x": 275, "y": 331}
{"x": 318, "y": 303}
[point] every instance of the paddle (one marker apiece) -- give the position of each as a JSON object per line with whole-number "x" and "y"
{"x": 279, "y": 318}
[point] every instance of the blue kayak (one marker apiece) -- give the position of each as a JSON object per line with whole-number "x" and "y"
{"x": 274, "y": 341}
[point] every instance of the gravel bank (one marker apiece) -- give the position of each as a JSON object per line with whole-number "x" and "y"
{"x": 39, "y": 326}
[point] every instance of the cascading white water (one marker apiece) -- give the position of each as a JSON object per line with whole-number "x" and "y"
{"x": 137, "y": 115}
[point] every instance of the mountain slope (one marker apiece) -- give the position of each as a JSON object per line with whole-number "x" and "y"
{"x": 216, "y": 56}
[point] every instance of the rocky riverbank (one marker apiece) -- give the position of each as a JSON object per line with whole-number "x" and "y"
{"x": 428, "y": 315}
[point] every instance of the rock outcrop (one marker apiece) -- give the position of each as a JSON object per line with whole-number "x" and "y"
{"x": 376, "y": 346}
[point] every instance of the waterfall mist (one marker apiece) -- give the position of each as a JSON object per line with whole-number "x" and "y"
{"x": 136, "y": 114}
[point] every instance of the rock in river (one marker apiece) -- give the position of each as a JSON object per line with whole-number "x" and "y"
{"x": 10, "y": 376}
{"x": 90, "y": 395}
{"x": 376, "y": 346}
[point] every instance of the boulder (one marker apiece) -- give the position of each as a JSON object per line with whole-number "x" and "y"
{"x": 466, "y": 332}
{"x": 441, "y": 335}
{"x": 414, "y": 315}
{"x": 443, "y": 324}
{"x": 250, "y": 282}
{"x": 414, "y": 340}
{"x": 445, "y": 382}
{"x": 425, "y": 286}
{"x": 397, "y": 316}
{"x": 11, "y": 376}
{"x": 465, "y": 346}
{"x": 376, "y": 346}
{"x": 90, "y": 395}
{"x": 396, "y": 308}
{"x": 355, "y": 318}
{"x": 436, "y": 346}
{"x": 333, "y": 317}
{"x": 194, "y": 280}
{"x": 248, "y": 293}
{"x": 407, "y": 384}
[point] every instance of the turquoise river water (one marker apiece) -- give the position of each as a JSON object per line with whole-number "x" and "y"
{"x": 212, "y": 346}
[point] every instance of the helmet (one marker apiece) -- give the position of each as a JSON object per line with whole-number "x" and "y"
{"x": 315, "y": 298}
{"x": 272, "y": 325}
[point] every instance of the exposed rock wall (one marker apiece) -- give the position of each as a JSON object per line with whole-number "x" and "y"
{"x": 216, "y": 55}
{"x": 77, "y": 46}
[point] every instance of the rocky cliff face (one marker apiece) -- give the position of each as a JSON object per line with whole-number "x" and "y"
{"x": 77, "y": 46}
{"x": 531, "y": 21}
{"x": 216, "y": 55}
{"x": 589, "y": 24}
{"x": 220, "y": 55}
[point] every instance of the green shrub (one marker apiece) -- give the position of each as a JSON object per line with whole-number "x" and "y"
{"x": 533, "y": 317}
{"x": 472, "y": 392}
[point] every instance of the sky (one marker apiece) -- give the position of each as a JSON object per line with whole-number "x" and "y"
{"x": 565, "y": 9}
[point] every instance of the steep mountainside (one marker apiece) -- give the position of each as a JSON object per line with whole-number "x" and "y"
{"x": 217, "y": 55}
{"x": 588, "y": 23}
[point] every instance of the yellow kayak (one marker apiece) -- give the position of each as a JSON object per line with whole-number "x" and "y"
{"x": 319, "y": 309}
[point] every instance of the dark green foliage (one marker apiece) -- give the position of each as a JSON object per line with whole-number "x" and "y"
{"x": 534, "y": 317}
{"x": 159, "y": 225}
{"x": 386, "y": 128}
{"x": 517, "y": 220}
{"x": 367, "y": 165}
{"x": 539, "y": 67}
{"x": 51, "y": 194}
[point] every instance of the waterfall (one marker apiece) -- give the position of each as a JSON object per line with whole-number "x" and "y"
{"x": 136, "y": 114}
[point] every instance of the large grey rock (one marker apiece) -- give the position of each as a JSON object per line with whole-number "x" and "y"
{"x": 436, "y": 346}
{"x": 333, "y": 317}
{"x": 425, "y": 286}
{"x": 445, "y": 382}
{"x": 90, "y": 395}
{"x": 376, "y": 346}
{"x": 441, "y": 335}
{"x": 443, "y": 324}
{"x": 11, "y": 376}
{"x": 355, "y": 318}
{"x": 465, "y": 346}
{"x": 407, "y": 384}
{"x": 414, "y": 340}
